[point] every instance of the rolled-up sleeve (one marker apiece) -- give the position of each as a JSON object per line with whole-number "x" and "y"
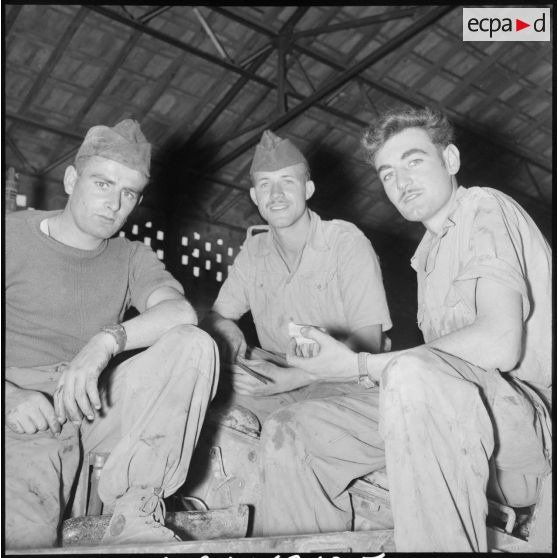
{"x": 495, "y": 250}
{"x": 362, "y": 288}
{"x": 232, "y": 301}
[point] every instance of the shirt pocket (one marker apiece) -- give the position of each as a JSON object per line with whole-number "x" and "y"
{"x": 318, "y": 291}
{"x": 267, "y": 294}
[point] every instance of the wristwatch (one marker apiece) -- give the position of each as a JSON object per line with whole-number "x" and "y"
{"x": 119, "y": 334}
{"x": 363, "y": 377}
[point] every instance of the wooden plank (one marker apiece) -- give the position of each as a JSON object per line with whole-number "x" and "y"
{"x": 347, "y": 541}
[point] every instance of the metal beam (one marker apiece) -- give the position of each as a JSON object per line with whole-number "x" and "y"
{"x": 212, "y": 37}
{"x": 282, "y": 45}
{"x": 327, "y": 61}
{"x": 390, "y": 91}
{"x": 150, "y": 14}
{"x": 535, "y": 183}
{"x": 265, "y": 49}
{"x": 222, "y": 104}
{"x": 246, "y": 22}
{"x": 163, "y": 83}
{"x": 108, "y": 75}
{"x": 239, "y": 85}
{"x": 416, "y": 27}
{"x": 19, "y": 154}
{"x": 55, "y": 55}
{"x": 59, "y": 161}
{"x": 215, "y": 60}
{"x": 218, "y": 214}
{"x": 178, "y": 44}
{"x": 354, "y": 24}
{"x": 43, "y": 126}
{"x": 236, "y": 135}
{"x": 10, "y": 18}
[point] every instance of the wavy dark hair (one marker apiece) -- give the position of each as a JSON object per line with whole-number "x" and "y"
{"x": 433, "y": 122}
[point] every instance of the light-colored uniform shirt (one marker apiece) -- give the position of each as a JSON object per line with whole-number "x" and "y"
{"x": 337, "y": 284}
{"x": 488, "y": 235}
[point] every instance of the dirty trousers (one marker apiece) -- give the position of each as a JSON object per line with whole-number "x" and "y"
{"x": 155, "y": 405}
{"x": 435, "y": 423}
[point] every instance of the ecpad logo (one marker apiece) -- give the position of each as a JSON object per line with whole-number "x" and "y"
{"x": 506, "y": 24}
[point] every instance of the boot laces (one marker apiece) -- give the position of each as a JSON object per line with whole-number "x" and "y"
{"x": 154, "y": 505}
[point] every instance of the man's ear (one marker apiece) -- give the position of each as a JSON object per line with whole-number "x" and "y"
{"x": 310, "y": 189}
{"x": 452, "y": 159}
{"x": 70, "y": 178}
{"x": 253, "y": 195}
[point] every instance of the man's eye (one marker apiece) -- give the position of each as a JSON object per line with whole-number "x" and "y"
{"x": 415, "y": 162}
{"x": 102, "y": 185}
{"x": 387, "y": 177}
{"x": 130, "y": 195}
{"x": 263, "y": 185}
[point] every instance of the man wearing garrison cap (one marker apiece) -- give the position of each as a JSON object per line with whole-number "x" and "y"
{"x": 299, "y": 269}
{"x": 69, "y": 281}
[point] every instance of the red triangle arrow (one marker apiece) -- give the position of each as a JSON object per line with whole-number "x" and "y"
{"x": 519, "y": 25}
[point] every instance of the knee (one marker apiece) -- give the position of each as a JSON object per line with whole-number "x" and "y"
{"x": 406, "y": 373}
{"x": 189, "y": 339}
{"x": 187, "y": 333}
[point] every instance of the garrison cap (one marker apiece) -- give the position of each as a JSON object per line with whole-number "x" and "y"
{"x": 274, "y": 153}
{"x": 123, "y": 143}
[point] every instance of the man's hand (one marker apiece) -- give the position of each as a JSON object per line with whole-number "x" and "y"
{"x": 231, "y": 343}
{"x": 281, "y": 379}
{"x": 28, "y": 411}
{"x": 77, "y": 390}
{"x": 332, "y": 361}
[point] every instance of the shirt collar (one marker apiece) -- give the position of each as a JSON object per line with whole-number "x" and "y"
{"x": 316, "y": 236}
{"x": 429, "y": 237}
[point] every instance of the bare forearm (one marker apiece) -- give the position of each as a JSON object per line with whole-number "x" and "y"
{"x": 215, "y": 323}
{"x": 483, "y": 347}
{"x": 477, "y": 343}
{"x": 227, "y": 334}
{"x": 366, "y": 339}
{"x": 146, "y": 328}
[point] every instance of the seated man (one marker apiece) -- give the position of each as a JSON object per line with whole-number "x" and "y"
{"x": 465, "y": 411}
{"x": 297, "y": 269}
{"x": 68, "y": 283}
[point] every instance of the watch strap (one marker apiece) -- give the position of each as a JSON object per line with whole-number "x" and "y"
{"x": 363, "y": 376}
{"x": 119, "y": 333}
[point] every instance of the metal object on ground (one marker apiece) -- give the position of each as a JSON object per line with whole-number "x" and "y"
{"x": 86, "y": 498}
{"x": 95, "y": 504}
{"x": 188, "y": 525}
{"x": 224, "y": 470}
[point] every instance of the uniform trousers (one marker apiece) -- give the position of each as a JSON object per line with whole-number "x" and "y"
{"x": 439, "y": 424}
{"x": 154, "y": 405}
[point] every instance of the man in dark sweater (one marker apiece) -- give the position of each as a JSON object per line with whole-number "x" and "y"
{"x": 68, "y": 284}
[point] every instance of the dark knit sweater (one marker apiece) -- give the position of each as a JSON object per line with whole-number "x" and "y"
{"x": 57, "y": 297}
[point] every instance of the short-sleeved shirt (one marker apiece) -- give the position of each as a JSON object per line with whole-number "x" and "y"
{"x": 337, "y": 284}
{"x": 57, "y": 297}
{"x": 488, "y": 235}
